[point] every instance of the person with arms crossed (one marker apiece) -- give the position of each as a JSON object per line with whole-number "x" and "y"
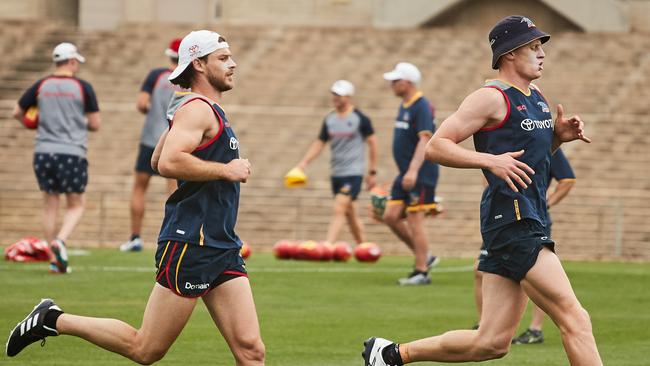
{"x": 67, "y": 110}
{"x": 198, "y": 249}
{"x": 155, "y": 94}
{"x": 348, "y": 129}
{"x": 414, "y": 189}
{"x": 514, "y": 137}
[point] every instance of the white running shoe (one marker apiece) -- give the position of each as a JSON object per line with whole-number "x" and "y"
{"x": 372, "y": 349}
{"x": 134, "y": 245}
{"x": 415, "y": 279}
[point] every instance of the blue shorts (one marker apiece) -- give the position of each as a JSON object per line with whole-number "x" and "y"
{"x": 421, "y": 198}
{"x": 191, "y": 271}
{"x": 483, "y": 253}
{"x": 61, "y": 173}
{"x": 143, "y": 163}
{"x": 511, "y": 250}
{"x": 349, "y": 185}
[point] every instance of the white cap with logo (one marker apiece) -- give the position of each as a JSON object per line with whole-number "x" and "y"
{"x": 195, "y": 45}
{"x": 343, "y": 88}
{"x": 404, "y": 71}
{"x": 65, "y": 51}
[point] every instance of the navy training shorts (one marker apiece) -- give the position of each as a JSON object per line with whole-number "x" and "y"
{"x": 421, "y": 198}
{"x": 190, "y": 270}
{"x": 348, "y": 185}
{"x": 143, "y": 163}
{"x": 511, "y": 250}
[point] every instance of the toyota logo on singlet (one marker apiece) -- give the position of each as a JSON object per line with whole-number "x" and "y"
{"x": 527, "y": 124}
{"x": 234, "y": 144}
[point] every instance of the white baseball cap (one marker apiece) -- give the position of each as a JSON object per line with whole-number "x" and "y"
{"x": 65, "y": 51}
{"x": 195, "y": 45}
{"x": 343, "y": 88}
{"x": 404, "y": 71}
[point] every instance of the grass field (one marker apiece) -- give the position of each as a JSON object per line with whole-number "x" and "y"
{"x": 320, "y": 313}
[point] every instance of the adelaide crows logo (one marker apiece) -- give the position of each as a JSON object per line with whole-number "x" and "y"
{"x": 544, "y": 107}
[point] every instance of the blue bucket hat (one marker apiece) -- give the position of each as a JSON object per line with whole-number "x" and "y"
{"x": 511, "y": 33}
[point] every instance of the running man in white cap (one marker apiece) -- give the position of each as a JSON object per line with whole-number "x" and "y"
{"x": 414, "y": 188}
{"x": 67, "y": 110}
{"x": 198, "y": 250}
{"x": 348, "y": 130}
{"x": 155, "y": 94}
{"x": 514, "y": 137}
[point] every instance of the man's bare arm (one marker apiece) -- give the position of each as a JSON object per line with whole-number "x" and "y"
{"x": 562, "y": 189}
{"x": 18, "y": 113}
{"x": 142, "y": 104}
{"x": 482, "y": 108}
{"x": 155, "y": 156}
{"x": 191, "y": 123}
{"x": 313, "y": 151}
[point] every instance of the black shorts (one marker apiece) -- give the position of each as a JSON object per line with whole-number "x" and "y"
{"x": 143, "y": 163}
{"x": 349, "y": 185}
{"x": 61, "y": 173}
{"x": 511, "y": 250}
{"x": 483, "y": 252}
{"x": 421, "y": 198}
{"x": 191, "y": 271}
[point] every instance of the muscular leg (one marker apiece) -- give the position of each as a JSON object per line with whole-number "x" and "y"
{"x": 164, "y": 318}
{"x": 232, "y": 308}
{"x": 50, "y": 210}
{"x": 503, "y": 304}
{"x": 549, "y": 287}
{"x": 137, "y": 201}
{"x": 341, "y": 203}
{"x": 478, "y": 290}
{"x": 537, "y": 321}
{"x": 75, "y": 208}
{"x": 415, "y": 222}
{"x": 393, "y": 218}
{"x": 354, "y": 221}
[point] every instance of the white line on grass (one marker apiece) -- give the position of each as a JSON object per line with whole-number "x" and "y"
{"x": 31, "y": 267}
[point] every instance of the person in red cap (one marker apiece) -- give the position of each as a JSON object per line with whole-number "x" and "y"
{"x": 198, "y": 249}
{"x": 154, "y": 97}
{"x": 514, "y": 137}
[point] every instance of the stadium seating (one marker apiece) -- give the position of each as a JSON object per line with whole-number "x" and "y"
{"x": 278, "y": 104}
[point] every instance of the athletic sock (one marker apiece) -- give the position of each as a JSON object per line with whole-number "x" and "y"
{"x": 135, "y": 236}
{"x": 417, "y": 272}
{"x": 391, "y": 355}
{"x": 50, "y": 318}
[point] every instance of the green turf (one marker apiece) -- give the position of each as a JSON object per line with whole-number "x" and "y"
{"x": 310, "y": 317}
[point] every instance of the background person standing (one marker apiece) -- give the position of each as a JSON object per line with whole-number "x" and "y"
{"x": 153, "y": 100}
{"x": 67, "y": 110}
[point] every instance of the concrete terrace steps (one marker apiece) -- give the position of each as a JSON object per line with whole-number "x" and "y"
{"x": 281, "y": 97}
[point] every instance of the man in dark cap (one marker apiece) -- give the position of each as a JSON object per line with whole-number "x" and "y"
{"x": 514, "y": 136}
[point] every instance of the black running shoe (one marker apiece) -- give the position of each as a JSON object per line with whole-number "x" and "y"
{"x": 31, "y": 329}
{"x": 530, "y": 336}
{"x": 372, "y": 351}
